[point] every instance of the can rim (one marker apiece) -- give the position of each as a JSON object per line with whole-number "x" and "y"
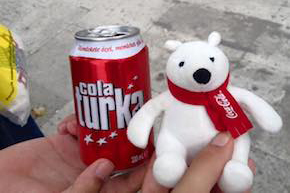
{"x": 105, "y": 33}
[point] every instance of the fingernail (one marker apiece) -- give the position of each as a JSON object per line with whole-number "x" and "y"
{"x": 104, "y": 168}
{"x": 221, "y": 139}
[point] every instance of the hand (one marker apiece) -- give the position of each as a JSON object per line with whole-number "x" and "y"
{"x": 52, "y": 164}
{"x": 203, "y": 173}
{"x": 207, "y": 165}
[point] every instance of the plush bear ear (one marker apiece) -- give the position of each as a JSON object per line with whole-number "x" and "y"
{"x": 172, "y": 45}
{"x": 214, "y": 38}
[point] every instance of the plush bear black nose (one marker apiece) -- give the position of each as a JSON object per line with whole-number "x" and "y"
{"x": 202, "y": 76}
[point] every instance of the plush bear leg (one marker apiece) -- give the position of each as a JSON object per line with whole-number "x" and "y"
{"x": 168, "y": 169}
{"x": 237, "y": 176}
{"x": 170, "y": 163}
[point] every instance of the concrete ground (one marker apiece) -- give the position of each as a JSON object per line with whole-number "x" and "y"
{"x": 256, "y": 37}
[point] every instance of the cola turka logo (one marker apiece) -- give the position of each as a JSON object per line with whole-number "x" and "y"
{"x": 95, "y": 101}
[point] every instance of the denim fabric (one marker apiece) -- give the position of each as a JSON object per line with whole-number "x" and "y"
{"x": 11, "y": 133}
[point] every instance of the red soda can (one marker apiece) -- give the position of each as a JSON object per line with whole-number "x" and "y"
{"x": 111, "y": 81}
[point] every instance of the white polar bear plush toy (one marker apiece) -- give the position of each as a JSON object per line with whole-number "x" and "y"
{"x": 198, "y": 105}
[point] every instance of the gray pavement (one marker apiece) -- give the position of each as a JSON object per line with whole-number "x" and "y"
{"x": 256, "y": 38}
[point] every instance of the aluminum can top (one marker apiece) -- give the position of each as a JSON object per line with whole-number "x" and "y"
{"x": 105, "y": 33}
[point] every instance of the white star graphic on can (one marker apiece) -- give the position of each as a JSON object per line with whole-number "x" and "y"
{"x": 135, "y": 77}
{"x": 113, "y": 135}
{"x": 130, "y": 86}
{"x": 101, "y": 141}
{"x": 88, "y": 139}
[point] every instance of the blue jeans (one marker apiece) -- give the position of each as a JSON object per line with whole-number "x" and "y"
{"x": 11, "y": 133}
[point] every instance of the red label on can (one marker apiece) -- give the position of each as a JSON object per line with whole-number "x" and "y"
{"x": 107, "y": 93}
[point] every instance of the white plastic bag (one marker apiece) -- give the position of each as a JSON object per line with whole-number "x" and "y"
{"x": 14, "y": 92}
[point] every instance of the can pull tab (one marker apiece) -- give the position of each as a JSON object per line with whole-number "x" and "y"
{"x": 105, "y": 32}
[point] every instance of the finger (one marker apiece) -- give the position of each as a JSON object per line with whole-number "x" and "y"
{"x": 68, "y": 118}
{"x": 127, "y": 183}
{"x": 61, "y": 129}
{"x": 68, "y": 126}
{"x": 252, "y": 166}
{"x": 91, "y": 180}
{"x": 72, "y": 127}
{"x": 207, "y": 166}
{"x": 150, "y": 185}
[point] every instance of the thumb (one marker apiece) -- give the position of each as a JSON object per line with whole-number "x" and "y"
{"x": 207, "y": 166}
{"x": 91, "y": 180}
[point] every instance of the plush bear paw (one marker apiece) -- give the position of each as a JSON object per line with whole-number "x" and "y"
{"x": 237, "y": 177}
{"x": 135, "y": 135}
{"x": 168, "y": 169}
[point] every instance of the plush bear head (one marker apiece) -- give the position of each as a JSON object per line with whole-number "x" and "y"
{"x": 197, "y": 66}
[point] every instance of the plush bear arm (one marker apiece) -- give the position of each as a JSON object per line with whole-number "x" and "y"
{"x": 267, "y": 118}
{"x": 140, "y": 125}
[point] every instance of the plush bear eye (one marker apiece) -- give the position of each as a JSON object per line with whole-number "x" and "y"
{"x": 181, "y": 64}
{"x": 212, "y": 59}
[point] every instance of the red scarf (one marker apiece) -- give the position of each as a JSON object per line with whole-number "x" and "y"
{"x": 224, "y": 111}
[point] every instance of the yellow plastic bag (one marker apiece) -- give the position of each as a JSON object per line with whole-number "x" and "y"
{"x": 8, "y": 83}
{"x": 14, "y": 95}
